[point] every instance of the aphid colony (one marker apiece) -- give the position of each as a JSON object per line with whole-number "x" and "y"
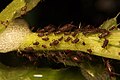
{"x": 69, "y": 35}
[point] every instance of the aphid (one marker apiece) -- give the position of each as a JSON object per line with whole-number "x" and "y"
{"x": 54, "y": 58}
{"x": 51, "y": 30}
{"x": 112, "y": 28}
{"x": 109, "y": 68}
{"x": 57, "y": 32}
{"x": 68, "y": 39}
{"x": 29, "y": 49}
{"x": 88, "y": 27}
{"x": 66, "y": 27}
{"x": 88, "y": 31}
{"x": 89, "y": 57}
{"x": 59, "y": 54}
{"x": 75, "y": 33}
{"x": 80, "y": 54}
{"x": 104, "y": 34}
{"x": 44, "y": 46}
{"x": 32, "y": 28}
{"x": 75, "y": 58}
{"x": 83, "y": 43}
{"x": 67, "y": 33}
{"x": 55, "y": 42}
{"x": 118, "y": 53}
{"x": 101, "y": 30}
{"x": 60, "y": 38}
{"x": 40, "y": 31}
{"x": 89, "y": 50}
{"x": 40, "y": 34}
{"x": 47, "y": 33}
{"x": 105, "y": 43}
{"x": 47, "y": 28}
{"x": 23, "y": 10}
{"x": 36, "y": 43}
{"x": 5, "y": 23}
{"x": 75, "y": 41}
{"x": 45, "y": 39}
{"x": 68, "y": 51}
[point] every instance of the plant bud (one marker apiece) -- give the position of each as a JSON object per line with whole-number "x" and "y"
{"x": 12, "y": 37}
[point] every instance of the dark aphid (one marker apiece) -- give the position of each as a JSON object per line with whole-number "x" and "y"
{"x": 109, "y": 68}
{"x": 74, "y": 57}
{"x": 105, "y": 43}
{"x": 118, "y": 53}
{"x": 68, "y": 51}
{"x": 88, "y": 27}
{"x": 40, "y": 34}
{"x": 75, "y": 32}
{"x": 66, "y": 27}
{"x": 31, "y": 57}
{"x": 60, "y": 38}
{"x": 44, "y": 46}
{"x": 36, "y": 43}
{"x": 68, "y": 39}
{"x": 101, "y": 30}
{"x": 45, "y": 39}
{"x": 89, "y": 57}
{"x": 32, "y": 28}
{"x": 59, "y": 54}
{"x": 83, "y": 43}
{"x": 75, "y": 41}
{"x": 55, "y": 58}
{"x": 57, "y": 32}
{"x": 89, "y": 31}
{"x": 29, "y": 49}
{"x": 112, "y": 28}
{"x": 1, "y": 22}
{"x": 80, "y": 54}
{"x": 55, "y": 42}
{"x": 23, "y": 10}
{"x": 5, "y": 23}
{"x": 47, "y": 28}
{"x": 67, "y": 33}
{"x": 89, "y": 50}
{"x": 51, "y": 30}
{"x": 104, "y": 34}
{"x": 40, "y": 31}
{"x": 47, "y": 33}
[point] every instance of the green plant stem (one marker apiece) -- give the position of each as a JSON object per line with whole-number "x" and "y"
{"x": 93, "y": 44}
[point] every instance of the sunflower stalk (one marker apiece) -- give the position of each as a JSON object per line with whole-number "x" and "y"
{"x": 25, "y": 40}
{"x": 91, "y": 44}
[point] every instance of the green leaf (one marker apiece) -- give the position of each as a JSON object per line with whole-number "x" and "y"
{"x": 108, "y": 24}
{"x": 31, "y": 73}
{"x": 15, "y": 9}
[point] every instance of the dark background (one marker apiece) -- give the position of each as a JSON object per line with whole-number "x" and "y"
{"x": 58, "y": 12}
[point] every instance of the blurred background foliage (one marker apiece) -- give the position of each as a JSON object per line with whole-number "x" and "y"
{"x": 58, "y": 12}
